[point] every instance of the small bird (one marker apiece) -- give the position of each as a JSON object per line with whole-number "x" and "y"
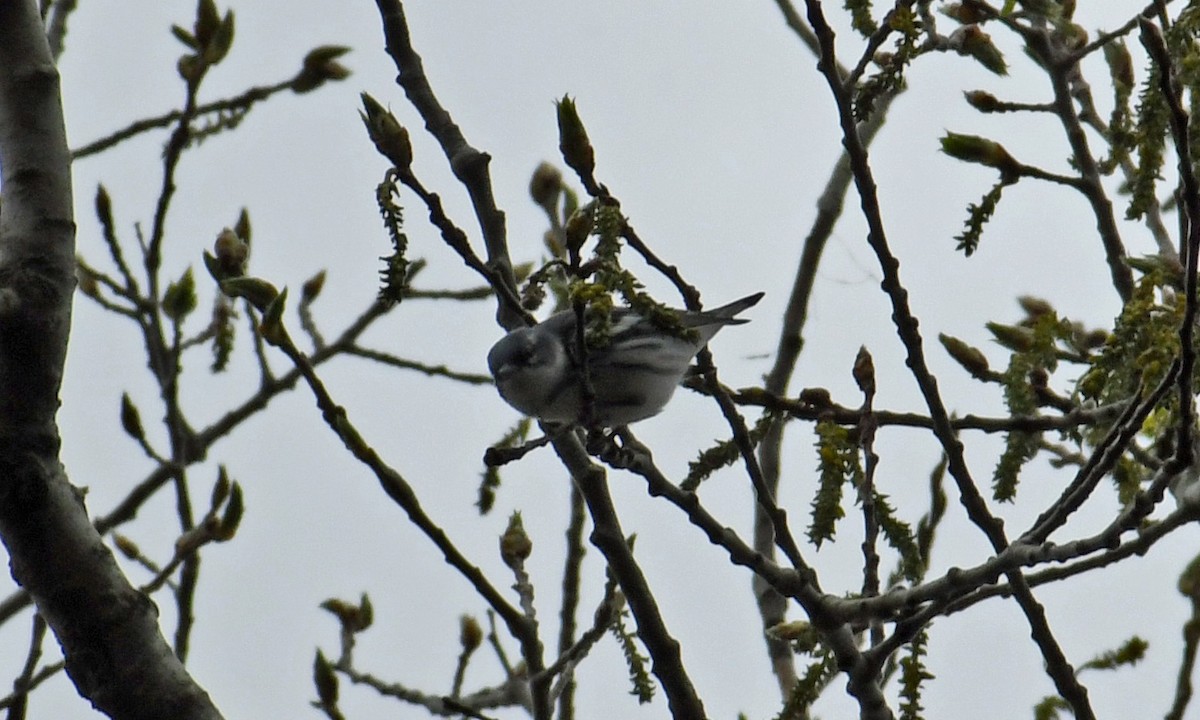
{"x": 538, "y": 370}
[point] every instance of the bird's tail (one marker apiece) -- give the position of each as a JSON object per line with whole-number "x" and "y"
{"x": 727, "y": 312}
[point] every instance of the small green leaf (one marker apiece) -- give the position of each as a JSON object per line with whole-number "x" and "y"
{"x": 208, "y": 21}
{"x": 222, "y": 40}
{"x": 272, "y": 321}
{"x": 184, "y": 37}
{"x": 366, "y": 613}
{"x": 220, "y": 488}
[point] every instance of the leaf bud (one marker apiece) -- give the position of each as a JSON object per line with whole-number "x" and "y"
{"x": 470, "y": 634}
{"x": 971, "y": 41}
{"x": 312, "y": 287}
{"x": 964, "y": 12}
{"x": 127, "y": 547}
{"x": 259, "y": 293}
{"x": 578, "y": 228}
{"x": 386, "y": 132}
{"x": 975, "y": 149}
{"x": 320, "y": 65}
{"x": 515, "y": 545}
{"x": 325, "y": 680}
{"x": 545, "y": 186}
{"x": 1035, "y": 307}
{"x": 231, "y": 252}
{"x": 180, "y": 298}
{"x": 971, "y": 358}
{"x": 573, "y": 140}
{"x": 131, "y": 419}
{"x": 864, "y": 371}
{"x": 982, "y": 101}
{"x": 1014, "y": 338}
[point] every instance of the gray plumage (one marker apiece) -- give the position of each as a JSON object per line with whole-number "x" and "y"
{"x": 633, "y": 376}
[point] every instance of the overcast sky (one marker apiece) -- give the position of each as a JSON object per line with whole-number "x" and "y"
{"x": 714, "y": 129}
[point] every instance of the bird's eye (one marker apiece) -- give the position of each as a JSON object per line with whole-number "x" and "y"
{"x": 524, "y": 356}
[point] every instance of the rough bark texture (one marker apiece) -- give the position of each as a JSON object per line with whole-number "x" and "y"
{"x": 107, "y": 629}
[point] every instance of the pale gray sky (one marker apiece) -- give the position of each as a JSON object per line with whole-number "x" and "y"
{"x": 713, "y": 127}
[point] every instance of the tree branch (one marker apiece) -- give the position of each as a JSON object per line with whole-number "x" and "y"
{"x": 107, "y": 629}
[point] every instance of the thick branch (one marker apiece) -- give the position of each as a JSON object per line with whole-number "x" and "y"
{"x": 107, "y": 629}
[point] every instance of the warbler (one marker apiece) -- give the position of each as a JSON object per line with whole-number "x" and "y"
{"x": 539, "y": 371}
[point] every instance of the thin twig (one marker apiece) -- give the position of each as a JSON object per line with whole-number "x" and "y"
{"x": 469, "y": 165}
{"x": 242, "y": 103}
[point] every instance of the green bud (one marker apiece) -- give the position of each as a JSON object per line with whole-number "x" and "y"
{"x": 971, "y": 41}
{"x": 131, "y": 419}
{"x": 1095, "y": 339}
{"x": 386, "y": 132}
{"x": 966, "y": 13}
{"x": 232, "y": 517}
{"x": 1035, "y": 307}
{"x": 1012, "y": 337}
{"x": 1072, "y": 36}
{"x": 208, "y": 22}
{"x": 1189, "y": 581}
{"x": 231, "y": 252}
{"x": 220, "y": 488}
{"x": 578, "y": 228}
{"x": 191, "y": 68}
{"x": 320, "y": 66}
{"x": 180, "y": 298}
{"x": 975, "y": 149}
{"x": 242, "y": 227}
{"x": 325, "y": 680}
{"x": 864, "y": 371}
{"x": 260, "y": 293}
{"x": 271, "y": 326}
{"x": 185, "y": 37}
{"x": 573, "y": 140}
{"x": 515, "y": 545}
{"x": 470, "y": 634}
{"x": 104, "y": 207}
{"x": 545, "y": 187}
{"x": 312, "y": 288}
{"x": 127, "y": 547}
{"x": 218, "y": 47}
{"x": 982, "y": 101}
{"x": 971, "y": 358}
{"x": 366, "y": 613}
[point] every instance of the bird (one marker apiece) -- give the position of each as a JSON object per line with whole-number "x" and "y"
{"x": 538, "y": 372}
